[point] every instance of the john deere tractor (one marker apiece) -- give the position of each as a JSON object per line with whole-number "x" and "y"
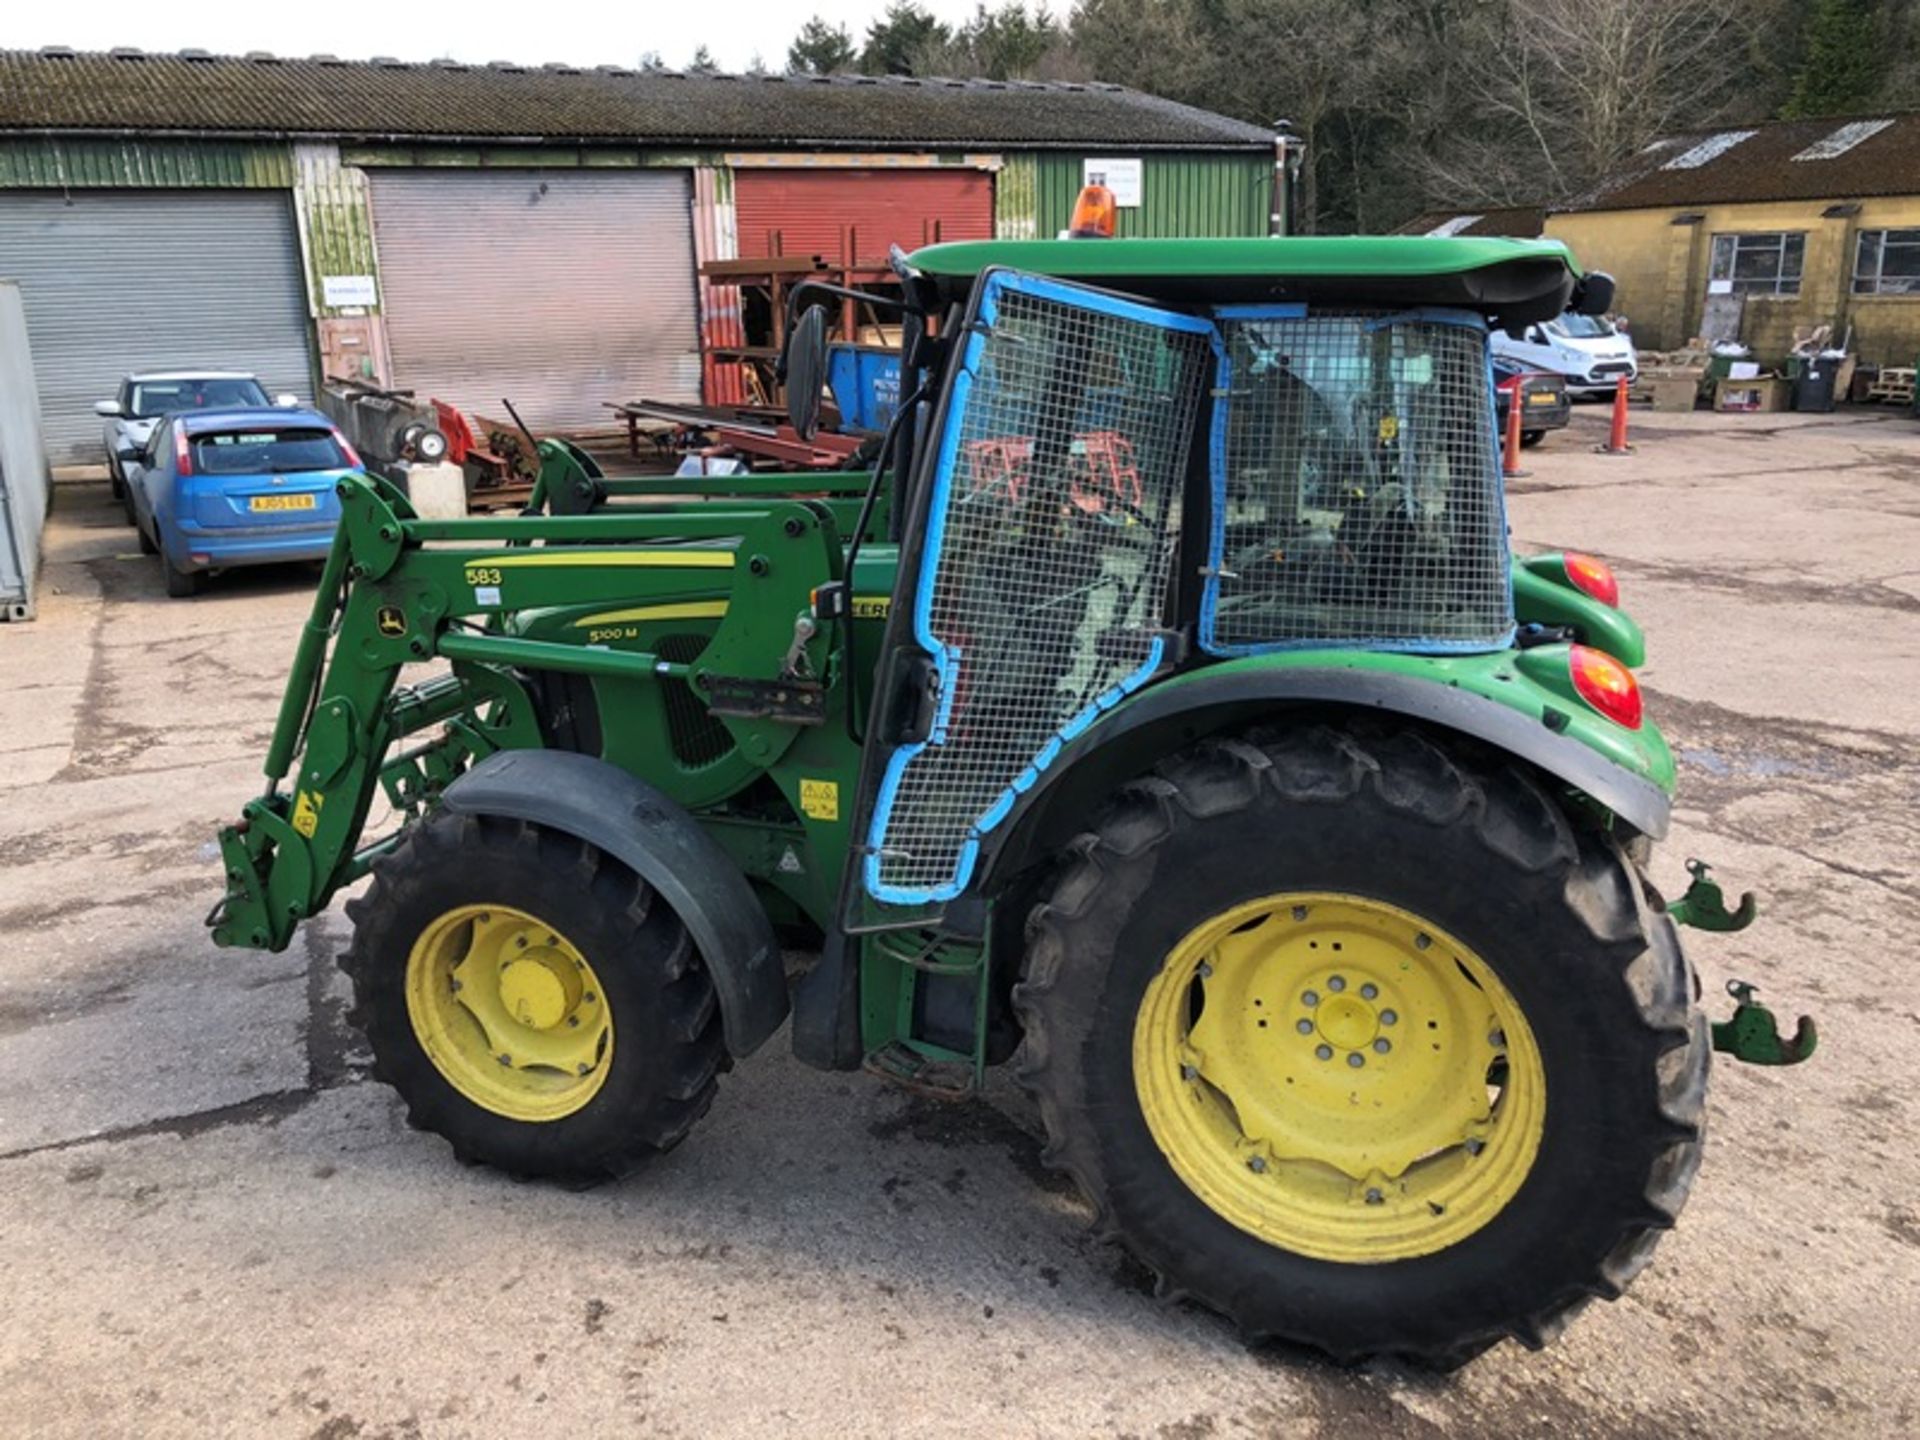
{"x": 1166, "y": 716}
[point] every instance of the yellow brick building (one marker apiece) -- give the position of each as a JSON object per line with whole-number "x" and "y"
{"x": 1754, "y": 232}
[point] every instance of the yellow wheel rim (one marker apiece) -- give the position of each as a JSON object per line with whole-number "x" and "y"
{"x": 1339, "y": 1078}
{"x": 509, "y": 1012}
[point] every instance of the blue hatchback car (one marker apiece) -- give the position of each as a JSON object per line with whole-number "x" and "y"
{"x": 212, "y": 489}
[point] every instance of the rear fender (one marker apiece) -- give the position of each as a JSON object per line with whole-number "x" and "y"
{"x": 1627, "y": 772}
{"x": 666, "y": 847}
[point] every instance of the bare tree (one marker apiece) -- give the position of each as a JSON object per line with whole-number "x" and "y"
{"x": 1568, "y": 90}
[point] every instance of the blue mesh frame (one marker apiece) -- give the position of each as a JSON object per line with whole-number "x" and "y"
{"x": 997, "y": 285}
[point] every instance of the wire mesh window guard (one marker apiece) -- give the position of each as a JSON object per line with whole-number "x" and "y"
{"x": 1054, "y": 516}
{"x": 1357, "y": 492}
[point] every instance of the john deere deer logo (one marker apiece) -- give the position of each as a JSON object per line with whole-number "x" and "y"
{"x": 391, "y": 621}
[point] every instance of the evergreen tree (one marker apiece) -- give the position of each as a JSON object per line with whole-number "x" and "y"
{"x": 898, "y": 41}
{"x": 1841, "y": 71}
{"x": 820, "y": 49}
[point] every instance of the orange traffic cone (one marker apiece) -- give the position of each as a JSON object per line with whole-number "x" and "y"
{"x": 1510, "y": 451}
{"x": 1617, "y": 441}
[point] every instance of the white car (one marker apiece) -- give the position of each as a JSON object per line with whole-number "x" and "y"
{"x": 145, "y": 398}
{"x": 1586, "y": 349}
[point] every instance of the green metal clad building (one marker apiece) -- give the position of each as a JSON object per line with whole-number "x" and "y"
{"x": 473, "y": 231}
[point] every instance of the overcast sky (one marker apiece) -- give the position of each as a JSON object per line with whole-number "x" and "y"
{"x": 576, "y": 32}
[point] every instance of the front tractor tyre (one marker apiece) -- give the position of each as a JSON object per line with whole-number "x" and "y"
{"x": 532, "y": 1000}
{"x": 1364, "y": 1042}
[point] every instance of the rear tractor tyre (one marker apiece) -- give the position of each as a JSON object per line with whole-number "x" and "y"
{"x": 534, "y": 1002}
{"x": 1365, "y": 1043}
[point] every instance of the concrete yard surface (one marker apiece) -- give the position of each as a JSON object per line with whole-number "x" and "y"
{"x": 215, "y": 1223}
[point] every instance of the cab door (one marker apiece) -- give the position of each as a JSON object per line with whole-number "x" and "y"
{"x": 1034, "y": 587}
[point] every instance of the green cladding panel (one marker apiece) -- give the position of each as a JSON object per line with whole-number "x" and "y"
{"x": 1182, "y": 193}
{"x": 65, "y": 163}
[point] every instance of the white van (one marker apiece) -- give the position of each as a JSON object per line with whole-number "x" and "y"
{"x": 1584, "y": 348}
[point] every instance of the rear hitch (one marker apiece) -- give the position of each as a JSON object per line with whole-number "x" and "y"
{"x": 1704, "y": 906}
{"x": 1752, "y": 1035}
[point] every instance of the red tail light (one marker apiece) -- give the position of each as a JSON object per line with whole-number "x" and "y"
{"x": 1607, "y": 685}
{"x": 182, "y": 452}
{"x": 1095, "y": 214}
{"x": 353, "y": 455}
{"x": 1595, "y": 577}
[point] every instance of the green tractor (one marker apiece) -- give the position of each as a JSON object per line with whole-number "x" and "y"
{"x": 1165, "y": 715}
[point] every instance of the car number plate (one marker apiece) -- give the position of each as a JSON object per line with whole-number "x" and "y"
{"x": 281, "y": 502}
{"x": 1541, "y": 397}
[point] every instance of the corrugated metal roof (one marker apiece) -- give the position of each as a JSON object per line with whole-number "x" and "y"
{"x": 194, "y": 92}
{"x": 1523, "y": 222}
{"x": 1789, "y": 160}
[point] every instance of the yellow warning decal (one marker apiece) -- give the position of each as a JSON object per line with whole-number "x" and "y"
{"x": 872, "y": 607}
{"x": 820, "y": 799}
{"x": 1389, "y": 428}
{"x": 668, "y": 558}
{"x": 306, "y": 812}
{"x": 683, "y": 610}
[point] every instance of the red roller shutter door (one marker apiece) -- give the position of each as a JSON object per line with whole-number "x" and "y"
{"x": 822, "y": 212}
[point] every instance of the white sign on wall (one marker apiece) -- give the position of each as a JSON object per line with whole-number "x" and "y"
{"x": 1122, "y": 177}
{"x": 340, "y": 291}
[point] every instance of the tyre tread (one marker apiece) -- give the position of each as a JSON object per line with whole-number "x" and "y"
{"x": 1512, "y": 817}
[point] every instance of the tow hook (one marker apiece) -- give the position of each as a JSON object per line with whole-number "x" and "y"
{"x": 1704, "y": 907}
{"x": 1752, "y": 1035}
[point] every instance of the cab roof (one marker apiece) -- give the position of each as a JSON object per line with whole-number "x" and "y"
{"x": 1517, "y": 280}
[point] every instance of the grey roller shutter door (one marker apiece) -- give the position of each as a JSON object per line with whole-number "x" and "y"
{"x": 556, "y": 289}
{"x": 118, "y": 281}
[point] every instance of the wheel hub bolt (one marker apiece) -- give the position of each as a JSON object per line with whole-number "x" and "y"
{"x": 1205, "y": 972}
{"x": 1382, "y": 1045}
{"x": 1388, "y": 1017}
{"x": 1369, "y": 991}
{"x": 1310, "y": 999}
{"x": 1189, "y": 1072}
{"x": 1356, "y": 1059}
{"x": 504, "y": 1058}
{"x": 1498, "y": 1039}
{"x": 583, "y": 1069}
{"x": 1475, "y": 1146}
{"x": 574, "y": 1022}
{"x": 456, "y": 986}
{"x": 1324, "y": 1052}
{"x": 520, "y": 941}
{"x": 1257, "y": 1165}
{"x": 1336, "y": 982}
{"x": 1299, "y": 912}
{"x": 1305, "y": 1027}
{"x": 1374, "y": 1197}
{"x": 1422, "y": 941}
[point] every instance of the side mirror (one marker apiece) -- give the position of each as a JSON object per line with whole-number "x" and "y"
{"x": 1594, "y": 294}
{"x": 805, "y": 364}
{"x": 286, "y": 402}
{"x": 1535, "y": 335}
{"x": 129, "y": 451}
{"x": 110, "y": 409}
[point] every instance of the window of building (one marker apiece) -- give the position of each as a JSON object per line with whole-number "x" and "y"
{"x": 1759, "y": 264}
{"x": 1887, "y": 263}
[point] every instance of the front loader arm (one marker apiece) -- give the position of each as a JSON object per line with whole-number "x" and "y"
{"x": 395, "y": 592}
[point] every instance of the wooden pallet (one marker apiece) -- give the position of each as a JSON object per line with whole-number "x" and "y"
{"x": 1893, "y": 386}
